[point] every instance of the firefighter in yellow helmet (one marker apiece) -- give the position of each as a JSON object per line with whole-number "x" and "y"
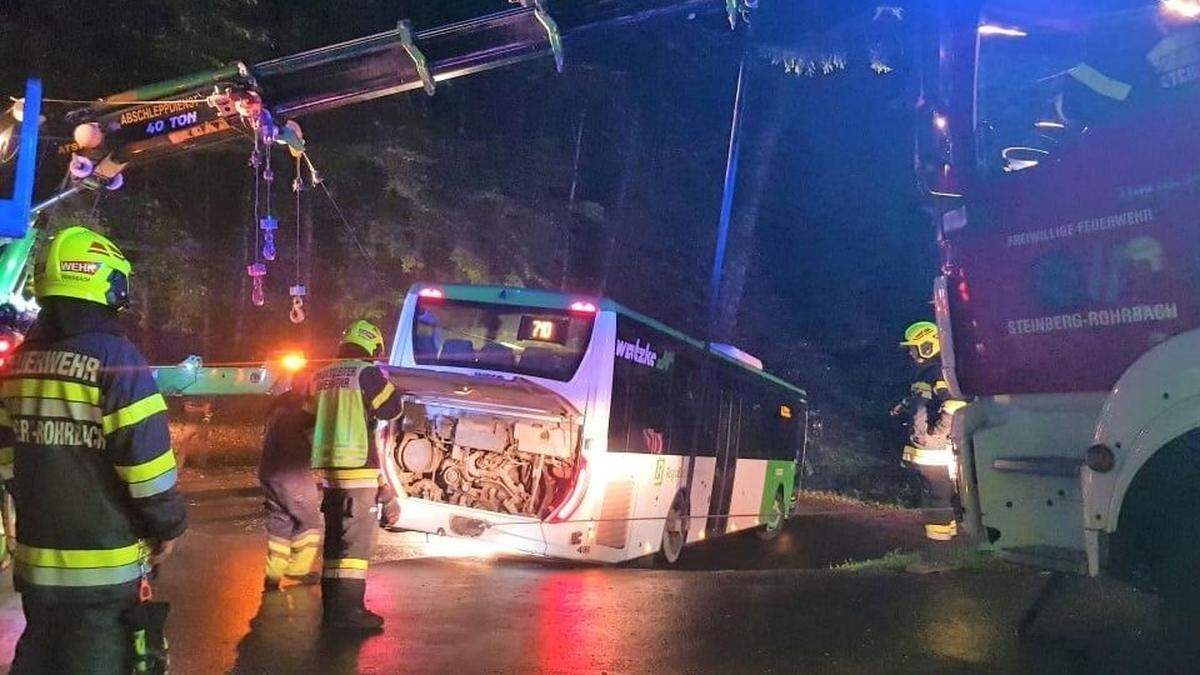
{"x": 346, "y": 399}
{"x": 92, "y": 470}
{"x": 930, "y": 409}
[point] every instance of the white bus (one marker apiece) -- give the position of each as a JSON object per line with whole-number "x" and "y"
{"x": 578, "y": 429}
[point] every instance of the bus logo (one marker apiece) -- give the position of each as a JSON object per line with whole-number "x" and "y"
{"x": 637, "y": 352}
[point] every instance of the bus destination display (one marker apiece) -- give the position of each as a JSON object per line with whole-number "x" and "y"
{"x": 543, "y": 329}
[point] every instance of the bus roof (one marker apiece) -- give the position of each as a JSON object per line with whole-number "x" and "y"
{"x": 532, "y": 297}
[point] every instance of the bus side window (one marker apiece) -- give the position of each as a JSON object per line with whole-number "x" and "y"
{"x": 783, "y": 419}
{"x": 649, "y": 411}
{"x": 753, "y": 443}
{"x": 618, "y": 415}
{"x": 640, "y": 415}
{"x": 685, "y": 408}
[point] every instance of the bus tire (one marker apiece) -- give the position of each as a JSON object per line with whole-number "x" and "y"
{"x": 775, "y": 518}
{"x": 674, "y": 534}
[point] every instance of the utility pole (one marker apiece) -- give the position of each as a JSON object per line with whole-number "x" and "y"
{"x": 727, "y": 198}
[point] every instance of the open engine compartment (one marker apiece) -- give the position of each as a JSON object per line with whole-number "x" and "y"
{"x": 482, "y": 460}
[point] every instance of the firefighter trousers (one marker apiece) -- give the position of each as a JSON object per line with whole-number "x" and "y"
{"x": 939, "y": 501}
{"x": 91, "y": 639}
{"x": 350, "y": 525}
{"x": 293, "y": 526}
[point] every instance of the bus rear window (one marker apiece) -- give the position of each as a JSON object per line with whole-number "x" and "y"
{"x": 524, "y": 340}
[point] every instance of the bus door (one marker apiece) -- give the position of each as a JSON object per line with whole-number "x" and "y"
{"x": 728, "y": 431}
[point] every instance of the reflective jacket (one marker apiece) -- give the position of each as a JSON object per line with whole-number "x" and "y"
{"x": 93, "y": 473}
{"x": 346, "y": 399}
{"x": 932, "y": 411}
{"x": 286, "y": 455}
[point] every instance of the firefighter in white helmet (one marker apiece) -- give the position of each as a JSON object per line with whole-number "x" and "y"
{"x": 930, "y": 409}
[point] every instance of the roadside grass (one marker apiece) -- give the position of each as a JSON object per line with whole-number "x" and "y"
{"x": 849, "y": 500}
{"x": 894, "y": 561}
{"x": 898, "y": 560}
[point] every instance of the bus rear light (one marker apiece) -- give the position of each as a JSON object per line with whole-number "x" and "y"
{"x": 1100, "y": 459}
{"x": 5, "y": 345}
{"x": 430, "y": 292}
{"x": 583, "y": 307}
{"x": 575, "y": 497}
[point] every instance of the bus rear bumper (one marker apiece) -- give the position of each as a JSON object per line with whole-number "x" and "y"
{"x": 512, "y": 533}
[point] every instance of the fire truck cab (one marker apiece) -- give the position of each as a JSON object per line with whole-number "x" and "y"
{"x": 1060, "y": 151}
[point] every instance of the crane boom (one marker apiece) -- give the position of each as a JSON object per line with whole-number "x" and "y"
{"x": 101, "y": 139}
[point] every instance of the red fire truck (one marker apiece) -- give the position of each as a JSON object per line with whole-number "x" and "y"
{"x": 1060, "y": 149}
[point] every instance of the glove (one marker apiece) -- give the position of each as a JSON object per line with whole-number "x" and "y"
{"x": 160, "y": 551}
{"x": 389, "y": 507}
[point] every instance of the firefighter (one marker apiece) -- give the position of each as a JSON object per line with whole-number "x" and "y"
{"x": 346, "y": 399}
{"x": 292, "y": 501}
{"x": 930, "y": 409}
{"x": 93, "y": 473}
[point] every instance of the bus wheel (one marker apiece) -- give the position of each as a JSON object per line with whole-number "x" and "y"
{"x": 674, "y": 531}
{"x": 775, "y": 518}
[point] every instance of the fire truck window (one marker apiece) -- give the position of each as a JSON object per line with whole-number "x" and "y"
{"x": 1046, "y": 76}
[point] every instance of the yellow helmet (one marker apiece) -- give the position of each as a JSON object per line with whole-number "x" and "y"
{"x": 923, "y": 335}
{"x": 364, "y": 334}
{"x": 83, "y": 264}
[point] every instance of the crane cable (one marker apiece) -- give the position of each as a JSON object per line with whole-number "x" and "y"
{"x": 298, "y": 289}
{"x": 368, "y": 260}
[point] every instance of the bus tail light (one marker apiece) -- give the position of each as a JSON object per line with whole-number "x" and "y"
{"x": 583, "y": 307}
{"x": 579, "y": 485}
{"x": 431, "y": 293}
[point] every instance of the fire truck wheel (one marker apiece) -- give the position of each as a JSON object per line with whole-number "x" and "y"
{"x": 1176, "y": 568}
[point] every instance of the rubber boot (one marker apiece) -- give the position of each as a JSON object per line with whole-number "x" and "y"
{"x": 343, "y": 607}
{"x": 941, "y": 531}
{"x": 278, "y": 555}
{"x": 300, "y": 564}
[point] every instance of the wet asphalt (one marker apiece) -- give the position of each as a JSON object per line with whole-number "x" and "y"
{"x": 736, "y": 605}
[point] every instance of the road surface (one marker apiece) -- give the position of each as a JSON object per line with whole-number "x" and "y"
{"x": 738, "y": 605}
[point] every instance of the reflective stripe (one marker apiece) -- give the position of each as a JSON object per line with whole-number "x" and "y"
{"x": 54, "y": 576}
{"x": 81, "y": 558}
{"x": 53, "y": 407}
{"x": 277, "y": 546}
{"x": 134, "y": 413}
{"x": 137, "y": 473}
{"x": 383, "y": 396}
{"x": 953, "y": 406}
{"x": 928, "y": 456}
{"x": 348, "y": 479}
{"x": 349, "y": 474}
{"x": 149, "y": 488}
{"x": 344, "y": 568}
{"x": 309, "y": 538}
{"x": 65, "y": 391}
{"x": 343, "y": 574}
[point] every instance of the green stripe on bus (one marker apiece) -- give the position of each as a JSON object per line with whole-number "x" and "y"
{"x": 781, "y": 474}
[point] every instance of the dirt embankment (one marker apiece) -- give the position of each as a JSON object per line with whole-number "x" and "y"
{"x": 218, "y": 431}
